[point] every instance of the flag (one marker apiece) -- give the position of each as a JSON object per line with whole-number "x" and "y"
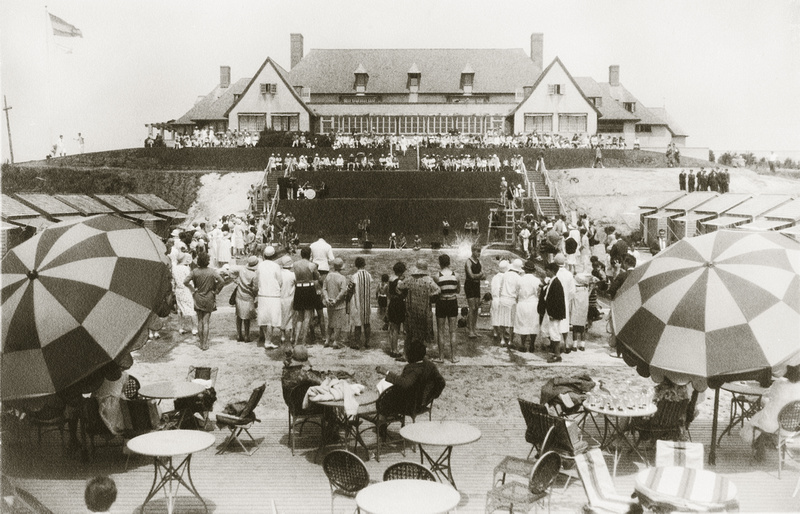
{"x": 64, "y": 29}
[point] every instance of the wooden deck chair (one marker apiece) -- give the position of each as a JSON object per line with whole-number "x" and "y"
{"x": 679, "y": 453}
{"x": 242, "y": 422}
{"x": 599, "y": 487}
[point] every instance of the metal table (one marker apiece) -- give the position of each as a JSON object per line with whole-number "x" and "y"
{"x": 405, "y": 496}
{"x": 613, "y": 430}
{"x": 440, "y": 433}
{"x": 172, "y": 391}
{"x": 336, "y": 414}
{"x": 750, "y": 389}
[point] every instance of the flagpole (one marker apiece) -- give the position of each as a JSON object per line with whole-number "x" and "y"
{"x": 47, "y": 35}
{"x": 6, "y": 108}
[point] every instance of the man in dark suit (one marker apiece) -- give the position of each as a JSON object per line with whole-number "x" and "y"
{"x": 682, "y": 180}
{"x": 660, "y": 243}
{"x": 554, "y": 312}
{"x": 418, "y": 376}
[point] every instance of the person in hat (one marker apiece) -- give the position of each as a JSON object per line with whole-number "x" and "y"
{"x": 183, "y": 297}
{"x": 494, "y": 287}
{"x": 204, "y": 283}
{"x": 419, "y": 289}
{"x": 297, "y": 370}
{"x": 334, "y": 297}
{"x": 269, "y": 281}
{"x": 245, "y": 297}
{"x": 287, "y": 297}
{"x": 526, "y": 317}
{"x": 393, "y": 241}
{"x": 507, "y": 306}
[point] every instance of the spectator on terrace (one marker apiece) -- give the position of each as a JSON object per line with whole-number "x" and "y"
{"x": 402, "y": 243}
{"x": 417, "y": 242}
{"x": 598, "y": 158}
{"x": 393, "y": 241}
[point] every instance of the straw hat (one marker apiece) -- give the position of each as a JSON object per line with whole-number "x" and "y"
{"x": 338, "y": 264}
{"x": 299, "y": 356}
{"x": 286, "y": 262}
{"x": 516, "y": 265}
{"x": 419, "y": 268}
{"x": 252, "y": 262}
{"x": 503, "y": 266}
{"x": 560, "y": 259}
{"x": 269, "y": 252}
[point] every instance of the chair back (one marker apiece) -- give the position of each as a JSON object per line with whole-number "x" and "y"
{"x": 408, "y": 471}
{"x": 252, "y": 402}
{"x": 393, "y": 402}
{"x": 28, "y": 503}
{"x": 669, "y": 414}
{"x": 544, "y": 472}
{"x": 789, "y": 417}
{"x": 295, "y": 400}
{"x": 345, "y": 471}
{"x": 131, "y": 388}
{"x": 558, "y": 437}
{"x": 139, "y": 412}
{"x": 91, "y": 422}
{"x": 203, "y": 373}
{"x": 535, "y": 421}
{"x": 679, "y": 453}
{"x": 597, "y": 482}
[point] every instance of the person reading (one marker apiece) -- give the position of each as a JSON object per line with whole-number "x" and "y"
{"x": 418, "y": 376}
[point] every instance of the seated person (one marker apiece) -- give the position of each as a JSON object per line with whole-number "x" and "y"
{"x": 417, "y": 375}
{"x": 781, "y": 392}
{"x": 297, "y": 369}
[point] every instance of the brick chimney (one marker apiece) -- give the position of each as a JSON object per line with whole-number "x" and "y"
{"x": 296, "y": 48}
{"x": 613, "y": 75}
{"x": 224, "y": 76}
{"x": 537, "y": 52}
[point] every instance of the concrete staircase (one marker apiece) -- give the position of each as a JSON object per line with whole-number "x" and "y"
{"x": 547, "y": 202}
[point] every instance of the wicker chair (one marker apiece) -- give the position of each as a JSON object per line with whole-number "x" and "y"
{"x": 242, "y": 422}
{"x": 516, "y": 495}
{"x": 131, "y": 388}
{"x": 788, "y": 433}
{"x": 48, "y": 419}
{"x": 391, "y": 407}
{"x": 346, "y": 473}
{"x": 300, "y": 416}
{"x": 667, "y": 423}
{"x": 405, "y": 470}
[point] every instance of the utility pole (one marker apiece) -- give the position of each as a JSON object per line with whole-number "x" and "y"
{"x": 6, "y": 108}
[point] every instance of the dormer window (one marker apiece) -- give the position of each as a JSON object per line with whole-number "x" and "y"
{"x": 597, "y": 101}
{"x": 414, "y": 76}
{"x": 467, "y": 79}
{"x": 361, "y": 79}
{"x": 629, "y": 106}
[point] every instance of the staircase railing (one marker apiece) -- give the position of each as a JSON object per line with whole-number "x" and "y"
{"x": 554, "y": 192}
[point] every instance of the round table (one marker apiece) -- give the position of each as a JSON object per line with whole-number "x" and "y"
{"x": 685, "y": 489}
{"x": 404, "y": 496}
{"x": 611, "y": 419}
{"x": 350, "y": 425}
{"x": 163, "y": 446}
{"x": 747, "y": 388}
{"x": 440, "y": 433}
{"x": 173, "y": 391}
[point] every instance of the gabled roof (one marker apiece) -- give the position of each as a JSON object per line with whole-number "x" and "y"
{"x": 664, "y": 115}
{"x": 622, "y": 95}
{"x": 284, "y": 78}
{"x": 609, "y": 108}
{"x": 541, "y": 78}
{"x": 214, "y": 105}
{"x": 496, "y": 70}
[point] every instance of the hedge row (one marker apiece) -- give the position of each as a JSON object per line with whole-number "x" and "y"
{"x": 178, "y": 188}
{"x": 338, "y": 218}
{"x": 408, "y": 184}
{"x": 250, "y": 159}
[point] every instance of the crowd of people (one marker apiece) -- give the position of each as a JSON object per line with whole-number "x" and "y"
{"x": 206, "y": 137}
{"x": 354, "y": 162}
{"x": 489, "y": 140}
{"x": 718, "y": 180}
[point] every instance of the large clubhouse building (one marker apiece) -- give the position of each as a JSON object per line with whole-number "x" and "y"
{"x": 427, "y": 91}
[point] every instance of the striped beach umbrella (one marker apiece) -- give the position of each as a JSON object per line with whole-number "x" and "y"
{"x": 713, "y": 308}
{"x": 74, "y": 298}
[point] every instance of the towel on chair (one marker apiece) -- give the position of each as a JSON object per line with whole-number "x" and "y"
{"x": 334, "y": 389}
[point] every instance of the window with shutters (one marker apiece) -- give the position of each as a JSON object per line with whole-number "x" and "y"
{"x": 538, "y": 123}
{"x": 597, "y": 101}
{"x": 644, "y": 128}
{"x": 268, "y": 88}
{"x": 252, "y": 122}
{"x": 555, "y": 89}
{"x": 629, "y": 106}
{"x": 572, "y": 123}
{"x": 286, "y": 122}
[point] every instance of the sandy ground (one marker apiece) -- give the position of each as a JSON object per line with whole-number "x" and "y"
{"x": 487, "y": 379}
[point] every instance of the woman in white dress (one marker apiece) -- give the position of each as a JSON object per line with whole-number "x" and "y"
{"x": 214, "y": 236}
{"x": 224, "y": 247}
{"x": 183, "y": 297}
{"x": 509, "y": 289}
{"x": 526, "y": 319}
{"x": 239, "y": 230}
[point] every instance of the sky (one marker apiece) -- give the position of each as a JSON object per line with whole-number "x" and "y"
{"x": 728, "y": 71}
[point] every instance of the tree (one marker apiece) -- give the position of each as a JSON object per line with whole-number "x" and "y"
{"x": 726, "y": 159}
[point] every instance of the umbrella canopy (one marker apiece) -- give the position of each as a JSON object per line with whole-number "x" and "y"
{"x": 74, "y": 298}
{"x": 714, "y": 308}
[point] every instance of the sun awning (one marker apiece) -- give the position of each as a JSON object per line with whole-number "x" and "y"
{"x": 173, "y": 215}
{"x": 765, "y": 225}
{"x": 36, "y": 223}
{"x": 141, "y": 216}
{"x": 692, "y": 217}
{"x": 725, "y": 221}
{"x": 662, "y": 215}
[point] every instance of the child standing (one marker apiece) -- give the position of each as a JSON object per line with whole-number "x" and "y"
{"x": 383, "y": 300}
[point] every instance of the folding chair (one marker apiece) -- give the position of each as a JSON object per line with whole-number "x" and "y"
{"x": 599, "y": 487}
{"x": 242, "y": 422}
{"x": 679, "y": 453}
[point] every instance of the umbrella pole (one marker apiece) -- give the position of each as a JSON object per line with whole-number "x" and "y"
{"x": 712, "y": 455}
